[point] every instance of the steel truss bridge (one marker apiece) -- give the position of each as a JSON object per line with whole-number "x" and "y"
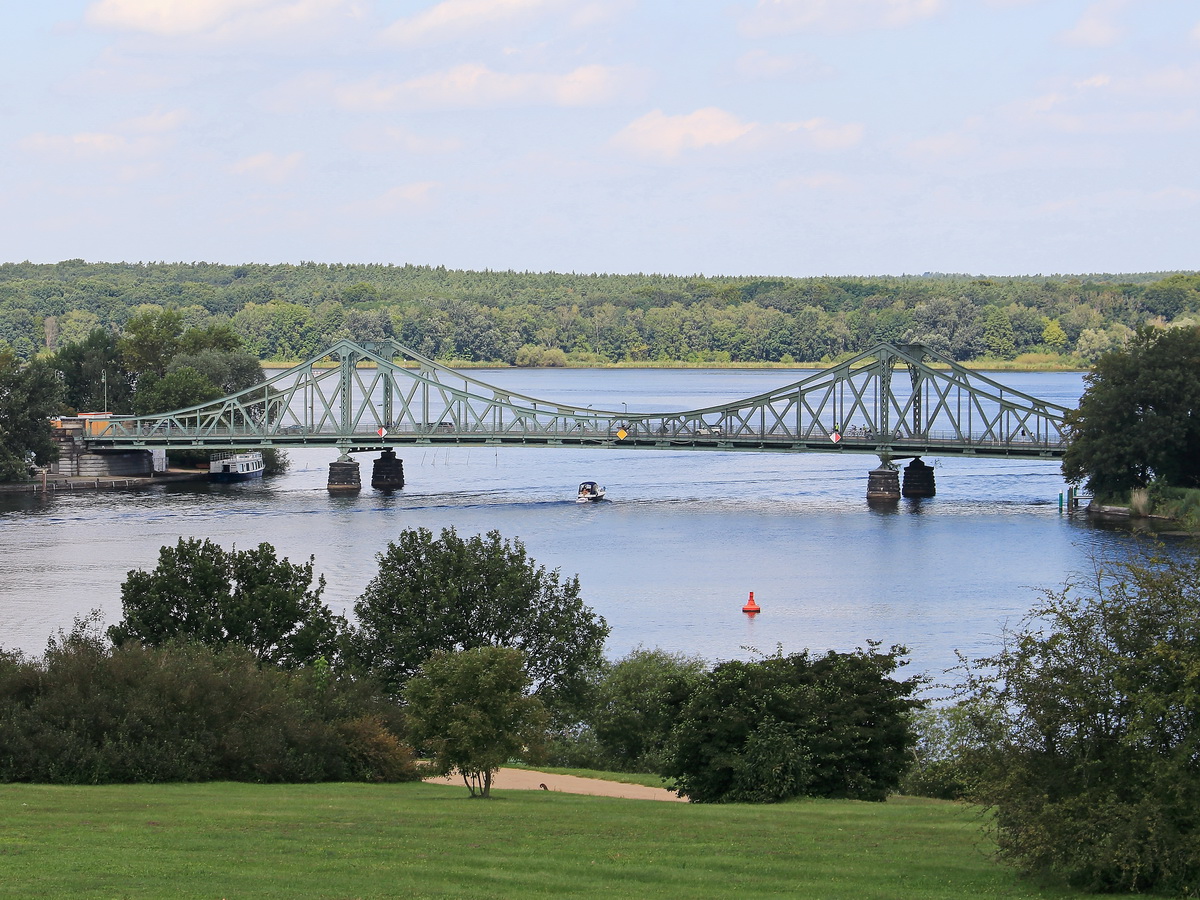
{"x": 896, "y": 401}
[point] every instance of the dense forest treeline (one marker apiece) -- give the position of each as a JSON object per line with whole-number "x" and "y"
{"x": 291, "y": 312}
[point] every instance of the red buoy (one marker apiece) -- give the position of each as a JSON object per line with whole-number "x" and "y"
{"x": 751, "y": 607}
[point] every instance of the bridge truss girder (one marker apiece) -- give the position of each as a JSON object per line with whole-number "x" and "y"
{"x": 376, "y": 395}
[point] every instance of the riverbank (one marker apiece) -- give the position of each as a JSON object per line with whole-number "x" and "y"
{"x": 51, "y": 484}
{"x": 981, "y": 366}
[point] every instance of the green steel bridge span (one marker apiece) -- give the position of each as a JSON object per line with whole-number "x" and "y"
{"x": 894, "y": 401}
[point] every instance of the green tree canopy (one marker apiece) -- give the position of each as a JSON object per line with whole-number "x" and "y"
{"x": 835, "y": 725}
{"x": 447, "y": 594}
{"x": 178, "y": 389}
{"x": 94, "y": 377}
{"x": 470, "y": 708}
{"x": 30, "y": 394}
{"x": 1095, "y": 694}
{"x": 637, "y": 702}
{"x": 1139, "y": 417}
{"x": 151, "y": 338}
{"x": 200, "y": 592}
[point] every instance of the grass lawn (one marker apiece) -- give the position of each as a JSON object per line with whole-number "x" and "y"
{"x": 422, "y": 840}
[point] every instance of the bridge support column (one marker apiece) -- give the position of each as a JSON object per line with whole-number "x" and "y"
{"x": 388, "y": 471}
{"x": 883, "y": 484}
{"x": 918, "y": 480}
{"x": 343, "y": 477}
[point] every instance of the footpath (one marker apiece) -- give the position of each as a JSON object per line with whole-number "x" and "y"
{"x": 527, "y": 780}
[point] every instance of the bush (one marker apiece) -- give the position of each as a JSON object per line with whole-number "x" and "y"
{"x": 88, "y": 714}
{"x": 954, "y": 749}
{"x": 1095, "y": 778}
{"x": 636, "y": 704}
{"x": 823, "y": 726}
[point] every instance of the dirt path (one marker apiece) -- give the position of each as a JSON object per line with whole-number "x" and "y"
{"x": 524, "y": 780}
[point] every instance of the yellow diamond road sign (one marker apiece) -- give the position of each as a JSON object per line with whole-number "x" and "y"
{"x": 622, "y": 434}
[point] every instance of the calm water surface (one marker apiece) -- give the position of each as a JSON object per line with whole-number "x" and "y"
{"x": 669, "y": 559}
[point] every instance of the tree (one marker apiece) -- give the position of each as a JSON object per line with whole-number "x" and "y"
{"x": 998, "y": 335}
{"x": 452, "y": 594}
{"x": 1096, "y": 778}
{"x": 470, "y": 708}
{"x": 1053, "y": 336}
{"x": 176, "y": 390}
{"x": 229, "y": 371}
{"x": 787, "y": 726}
{"x": 638, "y": 701}
{"x": 93, "y": 375}
{"x": 29, "y": 394}
{"x": 151, "y": 339}
{"x": 1139, "y": 417}
{"x": 200, "y": 592}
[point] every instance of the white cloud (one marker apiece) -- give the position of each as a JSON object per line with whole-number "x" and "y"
{"x": 451, "y": 18}
{"x": 406, "y": 195}
{"x": 80, "y": 145}
{"x": 1096, "y": 27}
{"x": 666, "y": 137}
{"x": 419, "y": 143}
{"x": 476, "y": 86}
{"x": 761, "y": 64}
{"x": 771, "y": 17}
{"x": 219, "y": 18}
{"x": 269, "y": 167}
{"x": 950, "y": 145}
{"x": 822, "y": 134}
{"x": 659, "y": 136}
{"x": 158, "y": 123}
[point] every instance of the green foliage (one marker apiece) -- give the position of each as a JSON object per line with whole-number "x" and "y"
{"x": 954, "y": 748}
{"x": 29, "y": 394}
{"x": 448, "y": 594}
{"x": 999, "y": 338}
{"x": 229, "y": 371}
{"x": 471, "y": 710}
{"x": 1139, "y": 417}
{"x": 288, "y": 312}
{"x": 93, "y": 375}
{"x": 1053, "y": 335}
{"x": 1096, "y": 779}
{"x": 87, "y": 713}
{"x": 637, "y": 702}
{"x": 176, "y": 390}
{"x": 150, "y": 340}
{"x": 835, "y": 725}
{"x": 199, "y": 592}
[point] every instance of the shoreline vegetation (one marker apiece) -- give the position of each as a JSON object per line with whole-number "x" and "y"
{"x": 293, "y": 312}
{"x": 1035, "y": 364}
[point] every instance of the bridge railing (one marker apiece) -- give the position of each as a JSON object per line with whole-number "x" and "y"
{"x": 631, "y": 431}
{"x": 370, "y": 400}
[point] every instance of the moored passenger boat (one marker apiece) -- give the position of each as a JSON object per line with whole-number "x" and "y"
{"x": 236, "y": 466}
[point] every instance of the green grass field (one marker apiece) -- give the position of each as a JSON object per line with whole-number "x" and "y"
{"x": 421, "y": 840}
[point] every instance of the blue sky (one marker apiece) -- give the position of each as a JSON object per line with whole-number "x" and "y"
{"x": 754, "y": 137}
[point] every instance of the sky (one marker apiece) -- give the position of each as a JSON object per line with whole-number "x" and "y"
{"x": 714, "y": 137}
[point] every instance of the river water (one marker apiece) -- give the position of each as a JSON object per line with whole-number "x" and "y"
{"x": 668, "y": 559}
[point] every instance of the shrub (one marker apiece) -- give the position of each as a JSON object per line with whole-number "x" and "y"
{"x": 1095, "y": 778}
{"x": 824, "y": 726}
{"x": 87, "y": 713}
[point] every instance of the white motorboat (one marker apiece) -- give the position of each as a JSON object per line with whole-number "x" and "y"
{"x": 236, "y": 466}
{"x": 589, "y": 491}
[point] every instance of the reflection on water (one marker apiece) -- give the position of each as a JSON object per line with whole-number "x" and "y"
{"x": 668, "y": 559}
